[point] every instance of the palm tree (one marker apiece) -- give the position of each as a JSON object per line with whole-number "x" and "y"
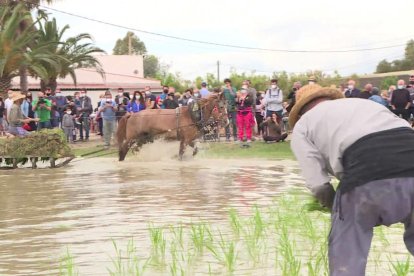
{"x": 27, "y": 5}
{"x": 73, "y": 53}
{"x": 17, "y": 48}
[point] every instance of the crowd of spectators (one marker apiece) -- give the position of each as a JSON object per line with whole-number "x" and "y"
{"x": 253, "y": 115}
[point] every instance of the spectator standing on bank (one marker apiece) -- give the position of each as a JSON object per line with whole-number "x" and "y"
{"x": 230, "y": 94}
{"x": 352, "y": 91}
{"x": 259, "y": 112}
{"x": 163, "y": 96}
{"x": 121, "y": 101}
{"x": 150, "y": 100}
{"x": 377, "y": 98}
{"x": 170, "y": 102}
{"x": 204, "y": 93}
{"x": 137, "y": 103}
{"x": 42, "y": 107}
{"x": 2, "y": 115}
{"x": 366, "y": 93}
{"x": 85, "y": 111}
{"x": 292, "y": 95}
{"x": 108, "y": 112}
{"x": 61, "y": 103}
{"x": 400, "y": 101}
{"x": 274, "y": 100}
{"x": 244, "y": 104}
{"x": 68, "y": 124}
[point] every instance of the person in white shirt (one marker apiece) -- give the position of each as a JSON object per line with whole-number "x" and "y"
{"x": 371, "y": 151}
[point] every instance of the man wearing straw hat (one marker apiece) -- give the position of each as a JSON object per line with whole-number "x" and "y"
{"x": 371, "y": 151}
{"x": 16, "y": 117}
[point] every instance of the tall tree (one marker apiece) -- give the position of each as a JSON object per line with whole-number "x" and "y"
{"x": 17, "y": 48}
{"x": 73, "y": 52}
{"x": 129, "y": 45}
{"x": 384, "y": 66}
{"x": 151, "y": 66}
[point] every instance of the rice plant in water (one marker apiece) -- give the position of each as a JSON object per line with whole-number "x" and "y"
{"x": 67, "y": 265}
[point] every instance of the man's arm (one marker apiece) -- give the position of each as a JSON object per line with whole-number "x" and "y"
{"x": 313, "y": 166}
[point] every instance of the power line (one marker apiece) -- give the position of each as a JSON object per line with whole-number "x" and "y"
{"x": 221, "y": 44}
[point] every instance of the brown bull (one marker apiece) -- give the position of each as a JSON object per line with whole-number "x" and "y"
{"x": 172, "y": 124}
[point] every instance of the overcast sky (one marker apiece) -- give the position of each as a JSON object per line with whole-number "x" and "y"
{"x": 291, "y": 25}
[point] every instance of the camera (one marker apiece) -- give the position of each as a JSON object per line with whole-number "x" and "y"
{"x": 42, "y": 101}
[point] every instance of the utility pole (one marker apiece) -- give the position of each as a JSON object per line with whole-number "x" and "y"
{"x": 218, "y": 70}
{"x": 129, "y": 44}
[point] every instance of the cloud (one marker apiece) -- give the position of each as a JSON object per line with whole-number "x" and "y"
{"x": 309, "y": 25}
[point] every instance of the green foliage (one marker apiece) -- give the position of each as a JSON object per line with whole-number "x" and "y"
{"x": 122, "y": 45}
{"x": 407, "y": 63}
{"x": 388, "y": 81}
{"x": 45, "y": 143}
{"x": 18, "y": 45}
{"x": 151, "y": 66}
{"x": 71, "y": 53}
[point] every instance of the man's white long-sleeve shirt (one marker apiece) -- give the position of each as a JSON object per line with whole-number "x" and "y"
{"x": 322, "y": 134}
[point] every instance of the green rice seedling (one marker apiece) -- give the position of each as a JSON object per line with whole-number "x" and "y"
{"x": 235, "y": 223}
{"x": 379, "y": 232}
{"x": 67, "y": 265}
{"x": 178, "y": 234}
{"x": 228, "y": 249}
{"x": 128, "y": 264}
{"x": 158, "y": 246}
{"x": 401, "y": 268}
{"x": 290, "y": 264}
{"x": 199, "y": 236}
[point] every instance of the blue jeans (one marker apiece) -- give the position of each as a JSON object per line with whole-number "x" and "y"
{"x": 42, "y": 125}
{"x": 109, "y": 127}
{"x": 84, "y": 125}
{"x": 233, "y": 123}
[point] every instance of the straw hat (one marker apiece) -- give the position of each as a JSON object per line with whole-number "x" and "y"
{"x": 17, "y": 96}
{"x": 308, "y": 94}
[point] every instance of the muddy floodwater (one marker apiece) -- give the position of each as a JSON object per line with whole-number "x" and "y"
{"x": 92, "y": 202}
{"x": 86, "y": 204}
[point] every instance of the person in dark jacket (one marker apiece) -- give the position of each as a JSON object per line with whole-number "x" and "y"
{"x": 367, "y": 93}
{"x": 400, "y": 101}
{"x": 272, "y": 132}
{"x": 170, "y": 102}
{"x": 352, "y": 91}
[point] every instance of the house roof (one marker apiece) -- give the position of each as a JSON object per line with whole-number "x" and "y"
{"x": 120, "y": 71}
{"x": 389, "y": 74}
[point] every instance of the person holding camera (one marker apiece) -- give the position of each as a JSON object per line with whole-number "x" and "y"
{"x": 244, "y": 103}
{"x": 170, "y": 102}
{"x": 108, "y": 110}
{"x": 42, "y": 107}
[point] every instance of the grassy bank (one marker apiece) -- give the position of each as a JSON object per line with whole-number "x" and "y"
{"x": 257, "y": 149}
{"x": 287, "y": 238}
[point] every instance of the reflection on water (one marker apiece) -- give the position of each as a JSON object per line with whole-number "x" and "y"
{"x": 85, "y": 205}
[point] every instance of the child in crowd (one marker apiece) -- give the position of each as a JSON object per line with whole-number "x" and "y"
{"x": 68, "y": 124}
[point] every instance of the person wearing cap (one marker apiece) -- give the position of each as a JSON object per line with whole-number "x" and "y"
{"x": 204, "y": 93}
{"x": 371, "y": 152}
{"x": 16, "y": 117}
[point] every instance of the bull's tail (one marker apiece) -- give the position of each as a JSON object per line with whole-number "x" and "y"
{"x": 121, "y": 136}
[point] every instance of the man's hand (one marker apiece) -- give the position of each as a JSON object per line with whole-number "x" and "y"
{"x": 325, "y": 194}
